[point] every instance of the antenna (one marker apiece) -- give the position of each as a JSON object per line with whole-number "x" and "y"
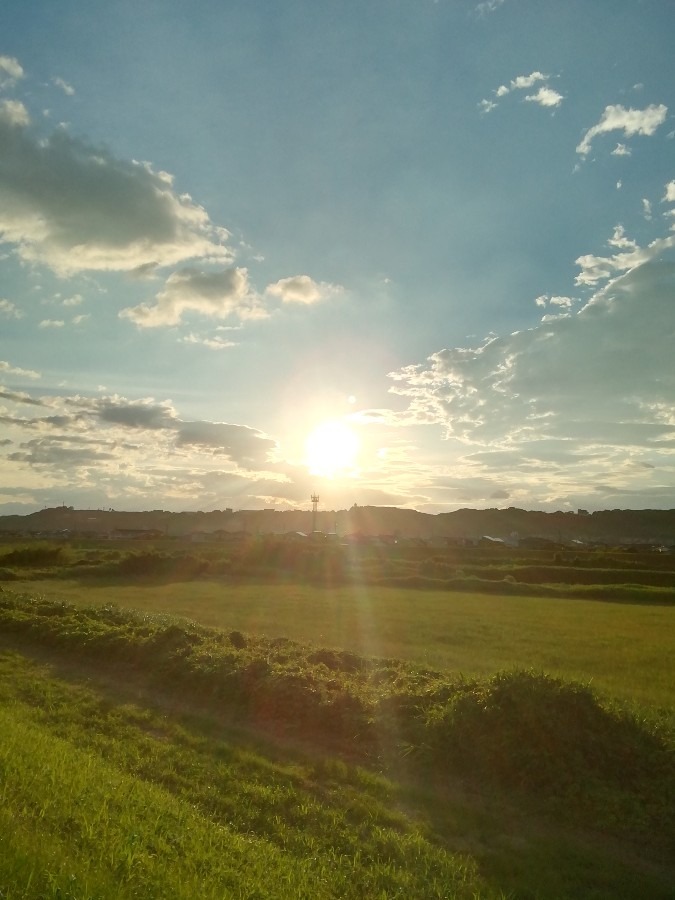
{"x": 315, "y": 503}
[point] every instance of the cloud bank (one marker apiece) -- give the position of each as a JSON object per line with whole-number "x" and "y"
{"x": 582, "y": 402}
{"x": 75, "y": 207}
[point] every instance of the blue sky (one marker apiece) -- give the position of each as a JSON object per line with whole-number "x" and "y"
{"x": 396, "y": 253}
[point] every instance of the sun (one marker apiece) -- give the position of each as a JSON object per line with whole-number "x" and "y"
{"x": 331, "y": 450}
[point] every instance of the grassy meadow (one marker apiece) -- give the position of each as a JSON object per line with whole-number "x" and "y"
{"x": 268, "y": 727}
{"x": 115, "y": 801}
{"x": 183, "y": 761}
{"x": 612, "y": 644}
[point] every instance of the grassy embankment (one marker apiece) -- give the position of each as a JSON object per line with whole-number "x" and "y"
{"x": 119, "y": 793}
{"x": 627, "y": 650}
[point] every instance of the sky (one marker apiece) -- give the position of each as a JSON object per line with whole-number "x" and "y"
{"x": 402, "y": 253}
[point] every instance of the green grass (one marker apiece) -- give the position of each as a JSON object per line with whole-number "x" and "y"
{"x": 122, "y": 796}
{"x": 625, "y": 650}
{"x": 115, "y": 800}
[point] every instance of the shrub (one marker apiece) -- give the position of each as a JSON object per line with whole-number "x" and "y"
{"x": 35, "y": 555}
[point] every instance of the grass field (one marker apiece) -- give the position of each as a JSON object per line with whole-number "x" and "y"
{"x": 131, "y": 791}
{"x": 169, "y": 760}
{"x": 626, "y": 650}
{"x": 114, "y": 801}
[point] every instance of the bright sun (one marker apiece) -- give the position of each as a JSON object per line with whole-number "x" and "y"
{"x": 331, "y": 450}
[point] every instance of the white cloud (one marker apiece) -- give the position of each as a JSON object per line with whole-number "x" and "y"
{"x": 566, "y": 302}
{"x": 488, "y": 6}
{"x": 522, "y": 82}
{"x": 52, "y": 323}
{"x": 621, "y": 150}
{"x": 132, "y": 448}
{"x": 559, "y": 302}
{"x": 619, "y": 239}
{"x": 560, "y": 397}
{"x": 669, "y": 196}
{"x": 10, "y": 71}
{"x": 218, "y": 294}
{"x": 646, "y": 209}
{"x": 9, "y": 310}
{"x": 13, "y": 114}
{"x": 546, "y": 96}
{"x": 9, "y": 369}
{"x": 630, "y": 121}
{"x": 487, "y": 106}
{"x": 213, "y": 343}
{"x": 301, "y": 289}
{"x": 599, "y": 268}
{"x": 75, "y": 207}
{"x": 64, "y": 86}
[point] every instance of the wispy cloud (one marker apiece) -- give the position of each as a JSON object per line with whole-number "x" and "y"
{"x": 630, "y": 121}
{"x": 487, "y": 106}
{"x": 212, "y": 343}
{"x": 595, "y": 269}
{"x": 545, "y": 96}
{"x": 488, "y": 6}
{"x": 9, "y": 369}
{"x": 10, "y": 71}
{"x": 10, "y": 310}
{"x": 64, "y": 86}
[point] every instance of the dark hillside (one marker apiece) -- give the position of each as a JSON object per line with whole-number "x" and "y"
{"x": 615, "y": 527}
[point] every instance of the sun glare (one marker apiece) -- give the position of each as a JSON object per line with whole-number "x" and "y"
{"x": 331, "y": 450}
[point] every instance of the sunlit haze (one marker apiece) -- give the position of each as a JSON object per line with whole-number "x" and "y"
{"x": 332, "y": 449}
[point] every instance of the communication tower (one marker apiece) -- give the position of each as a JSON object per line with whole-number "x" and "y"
{"x": 315, "y": 503}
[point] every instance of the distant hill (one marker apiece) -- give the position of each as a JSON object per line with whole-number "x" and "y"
{"x": 616, "y": 526}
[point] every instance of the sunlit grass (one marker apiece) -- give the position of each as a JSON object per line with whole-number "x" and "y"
{"x": 107, "y": 795}
{"x": 626, "y": 650}
{"x": 114, "y": 801}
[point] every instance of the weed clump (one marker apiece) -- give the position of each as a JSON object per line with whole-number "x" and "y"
{"x": 554, "y": 739}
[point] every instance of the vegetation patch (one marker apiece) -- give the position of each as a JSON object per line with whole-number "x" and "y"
{"x": 554, "y": 742}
